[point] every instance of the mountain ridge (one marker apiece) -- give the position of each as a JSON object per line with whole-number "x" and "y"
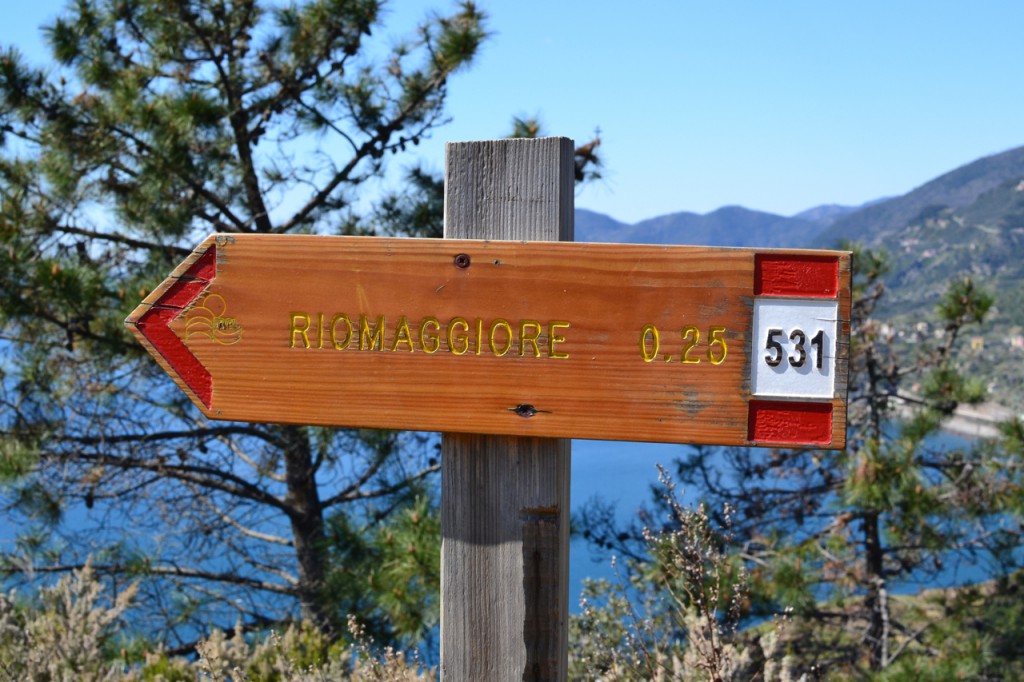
{"x": 828, "y": 224}
{"x": 955, "y": 189}
{"x": 725, "y": 226}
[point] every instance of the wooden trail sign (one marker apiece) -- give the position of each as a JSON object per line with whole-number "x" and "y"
{"x": 509, "y": 347}
{"x": 604, "y": 341}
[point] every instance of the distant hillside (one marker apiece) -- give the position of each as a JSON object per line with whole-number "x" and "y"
{"x": 956, "y": 190}
{"x": 597, "y": 227}
{"x": 728, "y": 226}
{"x": 984, "y": 240}
{"x": 827, "y": 214}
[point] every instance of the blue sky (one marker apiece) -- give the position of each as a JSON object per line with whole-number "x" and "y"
{"x": 777, "y": 106}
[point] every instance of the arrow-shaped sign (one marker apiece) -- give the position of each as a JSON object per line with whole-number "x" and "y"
{"x": 154, "y": 320}
{"x": 628, "y": 342}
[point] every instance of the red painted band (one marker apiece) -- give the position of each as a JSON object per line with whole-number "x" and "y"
{"x": 188, "y": 287}
{"x": 205, "y": 267}
{"x": 792, "y": 275}
{"x": 786, "y": 423}
{"x": 155, "y": 325}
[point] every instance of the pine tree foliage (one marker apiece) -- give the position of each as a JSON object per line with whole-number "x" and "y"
{"x": 159, "y": 122}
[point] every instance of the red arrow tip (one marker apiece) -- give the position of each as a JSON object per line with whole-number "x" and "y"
{"x": 155, "y": 323}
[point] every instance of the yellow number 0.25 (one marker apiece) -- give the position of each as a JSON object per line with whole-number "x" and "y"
{"x": 650, "y": 344}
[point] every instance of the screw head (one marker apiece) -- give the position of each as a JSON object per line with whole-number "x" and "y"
{"x": 525, "y": 410}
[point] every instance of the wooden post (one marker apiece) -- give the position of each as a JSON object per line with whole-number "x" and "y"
{"x": 505, "y": 500}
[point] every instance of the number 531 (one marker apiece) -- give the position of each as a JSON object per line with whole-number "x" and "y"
{"x": 776, "y": 354}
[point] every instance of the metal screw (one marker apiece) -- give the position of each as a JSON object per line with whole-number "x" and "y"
{"x": 525, "y": 410}
{"x": 462, "y": 261}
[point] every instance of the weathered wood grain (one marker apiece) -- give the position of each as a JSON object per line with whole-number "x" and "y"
{"x": 505, "y": 500}
{"x": 272, "y": 350}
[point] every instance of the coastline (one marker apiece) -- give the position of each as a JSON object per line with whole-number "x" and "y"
{"x": 978, "y": 421}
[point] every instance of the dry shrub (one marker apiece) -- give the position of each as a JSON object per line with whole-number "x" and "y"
{"x": 70, "y": 633}
{"x": 676, "y": 616}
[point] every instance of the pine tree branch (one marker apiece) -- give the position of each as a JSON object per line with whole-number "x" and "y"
{"x": 75, "y": 328}
{"x": 120, "y": 239}
{"x": 244, "y": 530}
{"x": 236, "y": 223}
{"x": 363, "y": 479}
{"x": 381, "y": 492}
{"x": 142, "y": 437}
{"x": 262, "y": 471}
{"x": 161, "y": 570}
{"x": 373, "y": 147}
{"x": 207, "y": 477}
{"x": 238, "y": 120}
